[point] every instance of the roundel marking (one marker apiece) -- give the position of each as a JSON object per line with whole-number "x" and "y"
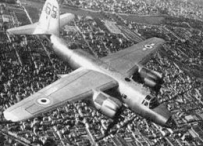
{"x": 148, "y": 46}
{"x": 43, "y": 101}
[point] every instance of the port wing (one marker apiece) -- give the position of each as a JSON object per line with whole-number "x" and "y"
{"x": 75, "y": 86}
{"x": 127, "y": 61}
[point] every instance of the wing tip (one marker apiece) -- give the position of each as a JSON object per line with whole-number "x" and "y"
{"x": 16, "y": 115}
{"x": 9, "y": 116}
{"x": 9, "y": 31}
{"x": 157, "y": 39}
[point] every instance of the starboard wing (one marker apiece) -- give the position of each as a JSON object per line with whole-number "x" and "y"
{"x": 75, "y": 86}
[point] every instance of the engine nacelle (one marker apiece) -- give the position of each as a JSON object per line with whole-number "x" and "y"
{"x": 106, "y": 104}
{"x": 150, "y": 78}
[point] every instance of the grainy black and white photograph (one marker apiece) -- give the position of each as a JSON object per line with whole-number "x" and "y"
{"x": 101, "y": 73}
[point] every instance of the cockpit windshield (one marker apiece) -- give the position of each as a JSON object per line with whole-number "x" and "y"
{"x": 150, "y": 102}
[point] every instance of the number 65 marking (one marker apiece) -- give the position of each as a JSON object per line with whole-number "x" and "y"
{"x": 51, "y": 10}
{"x": 148, "y": 46}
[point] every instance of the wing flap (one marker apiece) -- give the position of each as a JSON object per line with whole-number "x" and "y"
{"x": 75, "y": 86}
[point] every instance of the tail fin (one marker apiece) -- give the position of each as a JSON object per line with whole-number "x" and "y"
{"x": 49, "y": 22}
{"x": 49, "y": 19}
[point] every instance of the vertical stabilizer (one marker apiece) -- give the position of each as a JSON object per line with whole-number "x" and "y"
{"x": 49, "y": 19}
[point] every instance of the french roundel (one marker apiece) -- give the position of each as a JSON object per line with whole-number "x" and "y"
{"x": 43, "y": 101}
{"x": 148, "y": 46}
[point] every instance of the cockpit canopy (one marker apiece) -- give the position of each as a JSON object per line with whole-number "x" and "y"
{"x": 150, "y": 102}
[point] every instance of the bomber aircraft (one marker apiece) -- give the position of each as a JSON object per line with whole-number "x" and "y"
{"x": 93, "y": 76}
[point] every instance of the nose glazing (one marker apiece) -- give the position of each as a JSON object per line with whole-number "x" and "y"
{"x": 161, "y": 115}
{"x": 171, "y": 123}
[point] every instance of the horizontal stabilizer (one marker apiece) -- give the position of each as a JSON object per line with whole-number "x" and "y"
{"x": 22, "y": 30}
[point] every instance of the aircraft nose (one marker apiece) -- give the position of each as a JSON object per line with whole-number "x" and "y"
{"x": 162, "y": 116}
{"x": 171, "y": 123}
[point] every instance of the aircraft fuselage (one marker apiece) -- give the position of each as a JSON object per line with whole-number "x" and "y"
{"x": 133, "y": 93}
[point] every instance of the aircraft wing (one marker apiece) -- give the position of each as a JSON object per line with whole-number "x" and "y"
{"x": 26, "y": 29}
{"x": 127, "y": 61}
{"x": 75, "y": 86}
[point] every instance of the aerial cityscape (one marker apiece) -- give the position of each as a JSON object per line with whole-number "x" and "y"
{"x": 101, "y": 28}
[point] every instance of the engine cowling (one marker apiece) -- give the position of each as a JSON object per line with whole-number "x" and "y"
{"x": 149, "y": 77}
{"x": 106, "y": 104}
